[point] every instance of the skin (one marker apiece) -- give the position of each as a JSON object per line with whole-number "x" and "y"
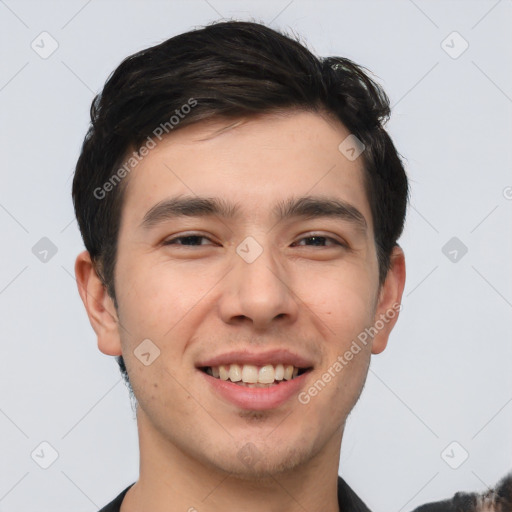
{"x": 194, "y": 301}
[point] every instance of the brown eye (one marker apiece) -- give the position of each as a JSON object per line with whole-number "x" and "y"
{"x": 320, "y": 241}
{"x": 188, "y": 240}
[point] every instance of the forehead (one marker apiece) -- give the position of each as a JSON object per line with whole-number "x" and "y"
{"x": 256, "y": 162}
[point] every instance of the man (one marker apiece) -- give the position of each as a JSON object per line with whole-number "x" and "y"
{"x": 240, "y": 203}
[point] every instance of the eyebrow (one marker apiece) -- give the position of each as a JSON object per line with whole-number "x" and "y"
{"x": 307, "y": 207}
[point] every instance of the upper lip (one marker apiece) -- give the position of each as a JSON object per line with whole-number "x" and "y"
{"x": 273, "y": 357}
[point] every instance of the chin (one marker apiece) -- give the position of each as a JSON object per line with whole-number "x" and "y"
{"x": 254, "y": 462}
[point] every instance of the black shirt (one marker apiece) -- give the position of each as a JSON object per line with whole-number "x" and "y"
{"x": 347, "y": 499}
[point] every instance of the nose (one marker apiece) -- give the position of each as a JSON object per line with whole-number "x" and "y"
{"x": 258, "y": 292}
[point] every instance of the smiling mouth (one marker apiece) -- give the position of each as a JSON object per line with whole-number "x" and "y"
{"x": 253, "y": 376}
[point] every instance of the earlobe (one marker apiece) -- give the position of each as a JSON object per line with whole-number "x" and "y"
{"x": 98, "y": 304}
{"x": 390, "y": 299}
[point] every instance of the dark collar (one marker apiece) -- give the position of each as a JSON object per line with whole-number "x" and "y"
{"x": 347, "y": 499}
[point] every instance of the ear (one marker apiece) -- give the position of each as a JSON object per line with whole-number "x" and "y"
{"x": 98, "y": 304}
{"x": 389, "y": 303}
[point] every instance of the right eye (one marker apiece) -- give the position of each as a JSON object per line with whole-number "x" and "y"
{"x": 187, "y": 240}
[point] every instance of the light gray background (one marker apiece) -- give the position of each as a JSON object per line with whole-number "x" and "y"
{"x": 446, "y": 374}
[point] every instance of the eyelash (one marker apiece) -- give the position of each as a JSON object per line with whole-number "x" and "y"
{"x": 173, "y": 240}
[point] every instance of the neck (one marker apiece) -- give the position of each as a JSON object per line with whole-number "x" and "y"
{"x": 171, "y": 480}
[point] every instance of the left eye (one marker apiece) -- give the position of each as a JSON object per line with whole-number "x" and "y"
{"x": 319, "y": 240}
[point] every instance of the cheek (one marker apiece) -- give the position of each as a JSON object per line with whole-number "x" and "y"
{"x": 163, "y": 305}
{"x": 343, "y": 301}
{"x": 156, "y": 298}
{"x": 330, "y": 397}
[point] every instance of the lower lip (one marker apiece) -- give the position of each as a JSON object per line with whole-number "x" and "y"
{"x": 256, "y": 399}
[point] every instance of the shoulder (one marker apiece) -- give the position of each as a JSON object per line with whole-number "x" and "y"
{"x": 348, "y": 499}
{"x": 115, "y": 504}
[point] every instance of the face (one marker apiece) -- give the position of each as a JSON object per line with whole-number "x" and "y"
{"x": 277, "y": 270}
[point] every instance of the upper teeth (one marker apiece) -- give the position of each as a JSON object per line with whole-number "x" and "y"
{"x": 252, "y": 374}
